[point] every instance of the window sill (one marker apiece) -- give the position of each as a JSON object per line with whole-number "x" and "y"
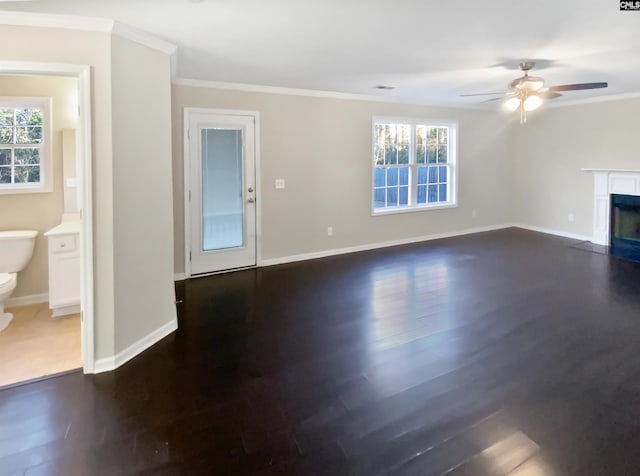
{"x": 424, "y": 208}
{"x": 25, "y": 189}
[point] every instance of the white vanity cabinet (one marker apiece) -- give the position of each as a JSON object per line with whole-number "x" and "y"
{"x": 64, "y": 268}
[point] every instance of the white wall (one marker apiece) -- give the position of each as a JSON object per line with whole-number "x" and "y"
{"x": 551, "y": 149}
{"x": 322, "y": 148}
{"x": 142, "y": 200}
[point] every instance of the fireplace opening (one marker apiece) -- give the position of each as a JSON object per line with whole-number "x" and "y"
{"x": 625, "y": 226}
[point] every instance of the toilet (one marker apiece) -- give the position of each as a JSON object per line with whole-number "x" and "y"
{"x": 16, "y": 249}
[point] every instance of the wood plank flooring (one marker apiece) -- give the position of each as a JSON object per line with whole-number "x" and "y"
{"x": 502, "y": 353}
{"x": 35, "y": 344}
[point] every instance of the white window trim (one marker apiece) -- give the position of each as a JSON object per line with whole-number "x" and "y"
{"x": 453, "y": 152}
{"x": 46, "y": 160}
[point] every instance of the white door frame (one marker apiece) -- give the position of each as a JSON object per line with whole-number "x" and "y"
{"x": 85, "y": 174}
{"x": 187, "y": 185}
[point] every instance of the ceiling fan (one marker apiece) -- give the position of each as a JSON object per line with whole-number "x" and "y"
{"x": 529, "y": 92}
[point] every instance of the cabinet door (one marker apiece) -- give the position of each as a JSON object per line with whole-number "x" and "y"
{"x": 65, "y": 285}
{"x": 64, "y": 271}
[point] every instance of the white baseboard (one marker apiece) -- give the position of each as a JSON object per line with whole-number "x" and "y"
{"x": 66, "y": 310}
{"x": 26, "y": 300}
{"x": 179, "y": 277}
{"x": 373, "y": 246}
{"x": 110, "y": 363}
{"x": 548, "y": 231}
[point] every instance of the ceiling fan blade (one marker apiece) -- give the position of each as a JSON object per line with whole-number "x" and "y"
{"x": 549, "y": 95}
{"x": 493, "y": 99}
{"x": 578, "y": 87}
{"x": 482, "y": 94}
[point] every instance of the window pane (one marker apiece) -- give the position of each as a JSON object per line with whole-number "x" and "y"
{"x": 432, "y": 153}
{"x": 404, "y": 175}
{"x": 5, "y": 174}
{"x": 379, "y": 198}
{"x": 6, "y": 117}
{"x": 392, "y": 197}
{"x": 442, "y": 153}
{"x": 379, "y": 155}
{"x": 442, "y": 135}
{"x": 443, "y": 173}
{"x": 421, "y": 153}
{"x": 442, "y": 192}
{"x": 432, "y": 193}
{"x": 28, "y": 117}
{"x": 422, "y": 174}
{"x": 5, "y": 156}
{"x": 392, "y": 176}
{"x": 432, "y": 175}
{"x": 6, "y": 135}
{"x": 403, "y": 154}
{"x": 27, "y": 156}
{"x": 390, "y": 155}
{"x": 222, "y": 204}
{"x": 404, "y": 195}
{"x": 27, "y": 174}
{"x": 422, "y": 194}
{"x": 379, "y": 177}
{"x": 28, "y": 135}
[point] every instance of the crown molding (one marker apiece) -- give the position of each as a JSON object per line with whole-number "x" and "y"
{"x": 100, "y": 25}
{"x": 129, "y": 33}
{"x": 257, "y": 88}
{"x": 50, "y": 20}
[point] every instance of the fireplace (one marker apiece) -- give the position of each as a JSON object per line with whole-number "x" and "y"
{"x": 607, "y": 184}
{"x": 625, "y": 226}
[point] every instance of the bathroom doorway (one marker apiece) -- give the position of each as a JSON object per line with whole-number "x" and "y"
{"x": 67, "y": 308}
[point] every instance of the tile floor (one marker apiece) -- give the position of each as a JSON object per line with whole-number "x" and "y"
{"x": 36, "y": 345}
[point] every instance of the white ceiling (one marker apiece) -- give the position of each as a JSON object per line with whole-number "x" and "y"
{"x": 430, "y": 51}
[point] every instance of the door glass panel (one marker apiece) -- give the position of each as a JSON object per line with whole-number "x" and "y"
{"x": 222, "y": 207}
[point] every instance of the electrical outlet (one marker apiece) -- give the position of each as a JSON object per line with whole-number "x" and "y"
{"x": 279, "y": 183}
{"x": 571, "y": 217}
{"x": 474, "y": 213}
{"x": 330, "y": 231}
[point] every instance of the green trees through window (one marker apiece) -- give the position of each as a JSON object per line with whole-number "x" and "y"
{"x": 21, "y": 139}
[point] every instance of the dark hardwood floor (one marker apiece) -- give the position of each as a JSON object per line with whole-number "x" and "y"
{"x": 502, "y": 353}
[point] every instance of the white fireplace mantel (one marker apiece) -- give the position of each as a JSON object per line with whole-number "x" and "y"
{"x": 606, "y": 182}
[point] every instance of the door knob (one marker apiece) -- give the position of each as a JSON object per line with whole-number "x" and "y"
{"x": 250, "y": 200}
{"x": 250, "y": 189}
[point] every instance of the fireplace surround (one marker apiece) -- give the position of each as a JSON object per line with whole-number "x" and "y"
{"x": 608, "y": 183}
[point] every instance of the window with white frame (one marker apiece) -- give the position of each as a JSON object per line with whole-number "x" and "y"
{"x": 24, "y": 145}
{"x": 413, "y": 165}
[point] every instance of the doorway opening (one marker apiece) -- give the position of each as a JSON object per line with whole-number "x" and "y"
{"x": 64, "y": 245}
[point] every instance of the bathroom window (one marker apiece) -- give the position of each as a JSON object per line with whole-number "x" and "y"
{"x": 25, "y": 163}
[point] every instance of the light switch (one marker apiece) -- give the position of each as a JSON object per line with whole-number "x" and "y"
{"x": 279, "y": 183}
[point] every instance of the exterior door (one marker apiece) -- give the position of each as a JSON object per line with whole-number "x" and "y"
{"x": 221, "y": 197}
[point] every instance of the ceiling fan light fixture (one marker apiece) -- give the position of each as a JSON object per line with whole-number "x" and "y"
{"x": 532, "y": 102}
{"x": 513, "y": 103}
{"x": 533, "y": 83}
{"x": 528, "y": 83}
